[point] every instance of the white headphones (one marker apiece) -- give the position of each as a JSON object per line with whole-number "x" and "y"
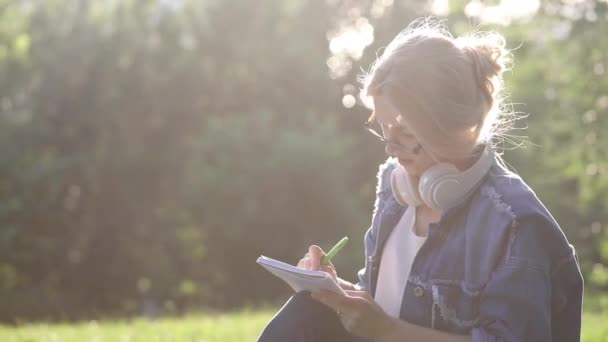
{"x": 442, "y": 186}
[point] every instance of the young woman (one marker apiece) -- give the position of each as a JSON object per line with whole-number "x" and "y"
{"x": 460, "y": 248}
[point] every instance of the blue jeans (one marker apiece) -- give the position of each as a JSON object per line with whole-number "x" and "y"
{"x": 303, "y": 319}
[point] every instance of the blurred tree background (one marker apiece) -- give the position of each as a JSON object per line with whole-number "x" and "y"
{"x": 152, "y": 150}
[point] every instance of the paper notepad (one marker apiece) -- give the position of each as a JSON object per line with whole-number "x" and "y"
{"x": 299, "y": 279}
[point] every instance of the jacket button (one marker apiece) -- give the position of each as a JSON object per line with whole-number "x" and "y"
{"x": 418, "y": 291}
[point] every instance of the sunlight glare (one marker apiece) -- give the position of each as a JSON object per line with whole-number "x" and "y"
{"x": 503, "y": 13}
{"x": 348, "y": 101}
{"x": 354, "y": 40}
{"x": 441, "y": 7}
{"x": 379, "y": 7}
{"x": 347, "y": 45}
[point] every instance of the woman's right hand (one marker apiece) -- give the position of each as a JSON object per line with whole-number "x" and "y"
{"x": 312, "y": 261}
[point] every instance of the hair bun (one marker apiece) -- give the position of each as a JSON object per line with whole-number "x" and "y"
{"x": 489, "y": 59}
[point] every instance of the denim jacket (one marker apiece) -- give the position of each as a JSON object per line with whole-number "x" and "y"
{"x": 497, "y": 266}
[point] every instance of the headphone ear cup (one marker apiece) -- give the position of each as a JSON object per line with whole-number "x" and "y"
{"x": 440, "y": 186}
{"x": 443, "y": 185}
{"x": 403, "y": 190}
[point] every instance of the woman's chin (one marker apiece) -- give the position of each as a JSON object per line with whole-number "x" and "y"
{"x": 409, "y": 166}
{"x": 406, "y": 163}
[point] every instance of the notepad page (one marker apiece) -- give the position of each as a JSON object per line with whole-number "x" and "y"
{"x": 289, "y": 268}
{"x": 299, "y": 279}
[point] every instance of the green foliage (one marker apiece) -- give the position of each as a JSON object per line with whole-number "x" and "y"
{"x": 147, "y": 161}
{"x": 567, "y": 55}
{"x": 150, "y": 151}
{"x": 255, "y": 188}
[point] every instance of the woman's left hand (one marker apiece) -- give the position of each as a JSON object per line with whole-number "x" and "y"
{"x": 359, "y": 313}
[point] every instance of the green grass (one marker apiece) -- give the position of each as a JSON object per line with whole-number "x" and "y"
{"x": 234, "y": 327}
{"x": 595, "y": 327}
{"x": 239, "y": 326}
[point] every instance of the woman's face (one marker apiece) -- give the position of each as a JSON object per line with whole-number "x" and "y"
{"x": 394, "y": 131}
{"x": 414, "y": 163}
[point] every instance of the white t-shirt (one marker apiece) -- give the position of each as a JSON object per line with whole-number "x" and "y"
{"x": 397, "y": 256}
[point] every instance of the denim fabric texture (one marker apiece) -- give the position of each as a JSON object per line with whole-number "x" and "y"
{"x": 497, "y": 266}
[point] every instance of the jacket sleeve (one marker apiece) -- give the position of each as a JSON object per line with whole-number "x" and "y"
{"x": 382, "y": 189}
{"x": 363, "y": 275}
{"x": 519, "y": 301}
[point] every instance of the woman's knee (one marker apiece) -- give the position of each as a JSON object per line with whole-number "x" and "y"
{"x": 301, "y": 318}
{"x": 302, "y": 310}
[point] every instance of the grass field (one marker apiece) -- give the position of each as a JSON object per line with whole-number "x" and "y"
{"x": 238, "y": 326}
{"x": 233, "y": 327}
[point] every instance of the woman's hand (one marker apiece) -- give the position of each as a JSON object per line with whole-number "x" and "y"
{"x": 359, "y": 313}
{"x": 312, "y": 261}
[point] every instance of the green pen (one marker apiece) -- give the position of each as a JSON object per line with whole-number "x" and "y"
{"x": 334, "y": 250}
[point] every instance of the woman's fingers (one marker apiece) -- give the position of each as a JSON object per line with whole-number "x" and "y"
{"x": 360, "y": 294}
{"x": 303, "y": 262}
{"x": 327, "y": 269}
{"x": 334, "y": 301}
{"x": 316, "y": 254}
{"x": 312, "y": 261}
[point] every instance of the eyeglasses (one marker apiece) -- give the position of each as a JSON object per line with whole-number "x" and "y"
{"x": 415, "y": 150}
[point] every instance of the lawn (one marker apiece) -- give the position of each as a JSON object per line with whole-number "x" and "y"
{"x": 233, "y": 327}
{"x": 238, "y": 326}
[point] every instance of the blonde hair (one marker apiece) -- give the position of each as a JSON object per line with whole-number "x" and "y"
{"x": 447, "y": 90}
